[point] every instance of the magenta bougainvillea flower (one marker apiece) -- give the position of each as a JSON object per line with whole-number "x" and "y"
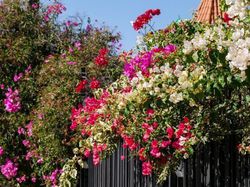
{"x": 1, "y": 151}
{"x": 12, "y": 102}
{"x": 146, "y": 168}
{"x": 145, "y": 61}
{"x": 9, "y": 169}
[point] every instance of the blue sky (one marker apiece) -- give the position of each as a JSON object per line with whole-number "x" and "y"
{"x": 120, "y": 12}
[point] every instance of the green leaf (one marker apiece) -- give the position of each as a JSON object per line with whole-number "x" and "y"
{"x": 195, "y": 56}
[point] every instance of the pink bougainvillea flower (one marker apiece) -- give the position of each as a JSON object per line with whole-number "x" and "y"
{"x": 71, "y": 63}
{"x": 20, "y": 130}
{"x": 2, "y": 86}
{"x": 78, "y": 45}
{"x": 9, "y": 169}
{"x": 87, "y": 153}
{"x": 40, "y": 161}
{"x": 12, "y": 102}
{"x": 40, "y": 116}
{"x": 1, "y": 151}
{"x": 29, "y": 128}
{"x": 73, "y": 125}
{"x": 21, "y": 179}
{"x": 165, "y": 144}
{"x": 155, "y": 152}
{"x": 17, "y": 77}
{"x": 28, "y": 69}
{"x": 122, "y": 157}
{"x": 33, "y": 179}
{"x": 35, "y": 6}
{"x": 146, "y": 168}
{"x": 28, "y": 155}
{"x": 26, "y": 143}
{"x": 68, "y": 23}
{"x": 54, "y": 9}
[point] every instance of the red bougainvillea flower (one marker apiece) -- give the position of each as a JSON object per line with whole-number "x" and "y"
{"x": 226, "y": 18}
{"x": 102, "y": 58}
{"x": 146, "y": 168}
{"x": 150, "y": 112}
{"x": 129, "y": 142}
{"x": 145, "y": 18}
{"x": 81, "y": 86}
{"x": 141, "y": 154}
{"x": 170, "y": 132}
{"x": 94, "y": 84}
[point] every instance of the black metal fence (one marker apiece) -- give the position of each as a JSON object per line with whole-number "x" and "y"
{"x": 213, "y": 165}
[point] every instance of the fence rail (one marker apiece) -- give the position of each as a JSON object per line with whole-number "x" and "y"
{"x": 213, "y": 165}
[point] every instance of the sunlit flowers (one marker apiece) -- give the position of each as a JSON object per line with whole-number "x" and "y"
{"x": 145, "y": 18}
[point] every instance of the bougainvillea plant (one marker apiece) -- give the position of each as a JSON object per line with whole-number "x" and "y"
{"x": 46, "y": 71}
{"x": 189, "y": 85}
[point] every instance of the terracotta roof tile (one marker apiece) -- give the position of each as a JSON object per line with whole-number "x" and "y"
{"x": 208, "y": 11}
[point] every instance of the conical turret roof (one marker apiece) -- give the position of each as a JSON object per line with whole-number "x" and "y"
{"x": 208, "y": 11}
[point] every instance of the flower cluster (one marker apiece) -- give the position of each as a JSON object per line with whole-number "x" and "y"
{"x": 55, "y": 9}
{"x": 102, "y": 58}
{"x": 9, "y": 169}
{"x": 145, "y": 18}
{"x": 238, "y": 43}
{"x": 144, "y": 61}
{"x": 53, "y": 177}
{"x": 169, "y": 98}
{"x": 81, "y": 86}
{"x": 12, "y": 102}
{"x": 93, "y": 84}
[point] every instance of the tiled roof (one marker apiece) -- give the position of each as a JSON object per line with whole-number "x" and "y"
{"x": 208, "y": 11}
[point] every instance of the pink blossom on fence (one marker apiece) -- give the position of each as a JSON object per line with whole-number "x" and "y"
{"x": 146, "y": 168}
